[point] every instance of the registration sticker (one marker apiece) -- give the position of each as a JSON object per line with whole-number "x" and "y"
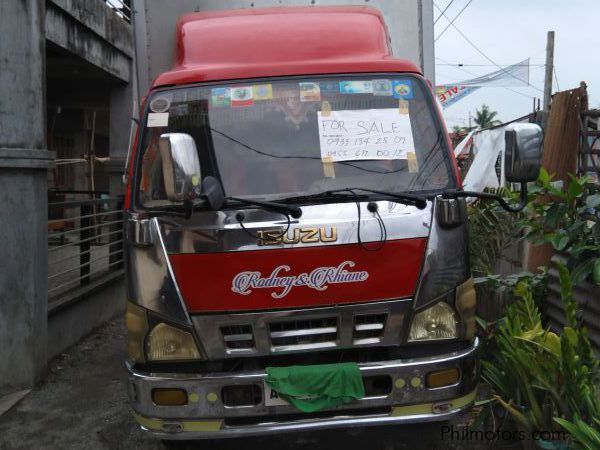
{"x": 220, "y": 97}
{"x": 356, "y": 87}
{"x": 402, "y": 89}
{"x": 242, "y": 96}
{"x": 382, "y": 87}
{"x": 329, "y": 87}
{"x": 158, "y": 120}
{"x": 262, "y": 91}
{"x": 160, "y": 105}
{"x": 310, "y": 92}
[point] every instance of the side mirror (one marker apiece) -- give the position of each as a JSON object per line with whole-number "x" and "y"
{"x": 523, "y": 152}
{"x": 180, "y": 166}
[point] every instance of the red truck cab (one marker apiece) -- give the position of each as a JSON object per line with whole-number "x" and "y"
{"x": 285, "y": 207}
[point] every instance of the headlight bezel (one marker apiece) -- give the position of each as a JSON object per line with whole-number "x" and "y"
{"x": 446, "y": 261}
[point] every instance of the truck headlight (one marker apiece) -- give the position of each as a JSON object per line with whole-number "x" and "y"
{"x": 167, "y": 343}
{"x": 436, "y": 322}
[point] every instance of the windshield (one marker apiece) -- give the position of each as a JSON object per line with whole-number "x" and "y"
{"x": 287, "y": 137}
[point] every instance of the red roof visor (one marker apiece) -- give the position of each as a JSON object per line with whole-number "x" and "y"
{"x": 253, "y": 43}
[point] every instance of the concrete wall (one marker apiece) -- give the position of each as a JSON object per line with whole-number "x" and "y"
{"x": 96, "y": 17}
{"x": 90, "y": 30}
{"x": 23, "y": 164}
{"x": 77, "y": 317}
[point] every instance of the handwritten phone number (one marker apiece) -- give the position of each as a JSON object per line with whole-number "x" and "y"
{"x": 354, "y": 142}
{"x": 366, "y": 154}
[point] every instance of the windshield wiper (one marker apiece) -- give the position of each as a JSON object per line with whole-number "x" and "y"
{"x": 186, "y": 208}
{"x": 333, "y": 194}
{"x": 324, "y": 195}
{"x": 282, "y": 208}
{"x": 454, "y": 193}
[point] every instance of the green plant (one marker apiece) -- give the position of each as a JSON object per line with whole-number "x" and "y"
{"x": 561, "y": 217}
{"x": 491, "y": 231}
{"x": 585, "y": 437}
{"x": 537, "y": 281}
{"x": 538, "y": 376}
{"x": 485, "y": 118}
{"x": 522, "y": 372}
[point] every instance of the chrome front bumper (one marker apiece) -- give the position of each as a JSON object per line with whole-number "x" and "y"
{"x": 205, "y": 415}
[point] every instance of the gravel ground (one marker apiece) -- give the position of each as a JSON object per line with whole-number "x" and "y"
{"x": 82, "y": 404}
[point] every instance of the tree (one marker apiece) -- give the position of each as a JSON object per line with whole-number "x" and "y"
{"x": 484, "y": 118}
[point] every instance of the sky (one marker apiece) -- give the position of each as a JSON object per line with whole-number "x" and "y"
{"x": 509, "y": 31}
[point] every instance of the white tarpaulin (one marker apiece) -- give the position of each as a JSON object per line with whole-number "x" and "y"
{"x": 515, "y": 75}
{"x": 488, "y": 145}
{"x": 463, "y": 144}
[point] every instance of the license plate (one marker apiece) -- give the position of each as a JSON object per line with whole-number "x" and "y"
{"x": 272, "y": 398}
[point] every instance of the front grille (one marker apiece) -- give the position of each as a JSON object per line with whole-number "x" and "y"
{"x": 279, "y": 332}
{"x": 304, "y": 334}
{"x": 238, "y": 337}
{"x": 368, "y": 328}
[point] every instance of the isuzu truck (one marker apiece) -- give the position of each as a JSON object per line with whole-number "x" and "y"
{"x": 297, "y": 250}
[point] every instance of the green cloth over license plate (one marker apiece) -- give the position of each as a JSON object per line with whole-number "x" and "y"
{"x": 313, "y": 388}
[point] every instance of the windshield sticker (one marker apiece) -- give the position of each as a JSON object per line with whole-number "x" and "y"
{"x": 220, "y": 97}
{"x": 157, "y": 120}
{"x": 329, "y": 87}
{"x": 262, "y": 92}
{"x": 280, "y": 283}
{"x": 356, "y": 87}
{"x": 160, "y": 105}
{"x": 310, "y": 92}
{"x": 369, "y": 134}
{"x": 242, "y": 96}
{"x": 402, "y": 89}
{"x": 382, "y": 87}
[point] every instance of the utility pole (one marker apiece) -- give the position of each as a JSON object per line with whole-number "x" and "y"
{"x": 469, "y": 120}
{"x": 549, "y": 71}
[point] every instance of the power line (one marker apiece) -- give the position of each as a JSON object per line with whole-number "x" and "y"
{"x": 486, "y": 56}
{"x": 482, "y": 65}
{"x": 556, "y": 78}
{"x": 452, "y": 22}
{"x": 445, "y": 9}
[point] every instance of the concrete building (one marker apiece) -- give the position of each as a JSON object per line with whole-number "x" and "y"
{"x": 66, "y": 83}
